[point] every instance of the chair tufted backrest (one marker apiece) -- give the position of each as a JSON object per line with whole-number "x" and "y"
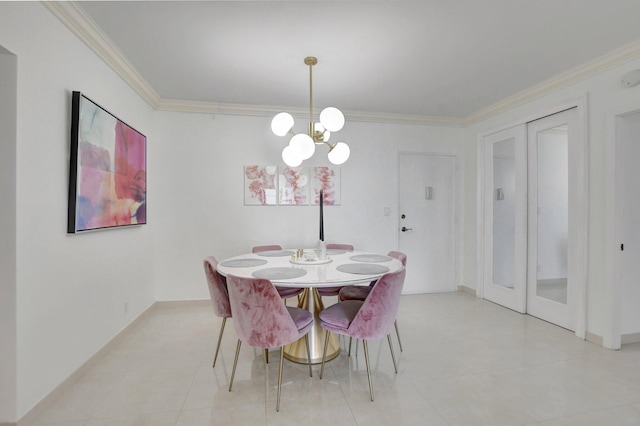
{"x": 376, "y": 316}
{"x": 399, "y": 255}
{"x": 347, "y": 247}
{"x": 259, "y": 316}
{"x": 258, "y": 249}
{"x": 217, "y": 288}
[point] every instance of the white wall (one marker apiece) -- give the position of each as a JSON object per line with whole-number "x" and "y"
{"x": 70, "y": 288}
{"x": 198, "y": 200}
{"x": 604, "y": 95}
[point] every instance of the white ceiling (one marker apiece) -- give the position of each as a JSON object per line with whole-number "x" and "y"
{"x": 430, "y": 58}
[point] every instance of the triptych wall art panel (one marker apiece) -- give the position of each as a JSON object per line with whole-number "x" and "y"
{"x": 290, "y": 186}
{"x": 260, "y": 185}
{"x": 107, "y": 171}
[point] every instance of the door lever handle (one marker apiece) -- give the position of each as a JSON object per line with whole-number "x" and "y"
{"x": 405, "y": 229}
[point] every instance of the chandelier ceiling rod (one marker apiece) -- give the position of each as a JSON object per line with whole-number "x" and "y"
{"x": 311, "y": 61}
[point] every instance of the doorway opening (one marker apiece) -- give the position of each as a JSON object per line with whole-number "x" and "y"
{"x": 623, "y": 254}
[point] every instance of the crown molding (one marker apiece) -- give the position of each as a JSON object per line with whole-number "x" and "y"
{"x": 177, "y": 105}
{"x": 87, "y": 31}
{"x": 375, "y": 117}
{"x": 84, "y": 27}
{"x": 612, "y": 59}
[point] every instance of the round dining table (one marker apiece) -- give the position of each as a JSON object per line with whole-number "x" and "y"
{"x": 285, "y": 269}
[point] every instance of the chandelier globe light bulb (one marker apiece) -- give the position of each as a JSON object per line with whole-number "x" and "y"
{"x": 282, "y": 123}
{"x": 303, "y": 145}
{"x": 332, "y": 119}
{"x": 291, "y": 157}
{"x": 339, "y": 154}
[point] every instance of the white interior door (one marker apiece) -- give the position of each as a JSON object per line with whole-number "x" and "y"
{"x": 427, "y": 224}
{"x": 505, "y": 213}
{"x": 552, "y": 276}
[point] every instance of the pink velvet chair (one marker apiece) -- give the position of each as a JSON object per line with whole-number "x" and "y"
{"x": 258, "y": 249}
{"x": 359, "y": 292}
{"x": 347, "y": 247}
{"x": 334, "y": 291}
{"x": 369, "y": 319}
{"x": 261, "y": 320}
{"x": 219, "y": 296}
{"x": 284, "y": 292}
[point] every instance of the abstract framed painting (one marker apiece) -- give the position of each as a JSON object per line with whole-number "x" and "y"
{"x": 107, "y": 170}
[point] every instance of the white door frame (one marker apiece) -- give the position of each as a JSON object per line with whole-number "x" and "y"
{"x": 611, "y": 335}
{"x": 581, "y": 221}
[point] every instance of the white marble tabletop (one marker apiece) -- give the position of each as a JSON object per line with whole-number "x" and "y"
{"x": 344, "y": 268}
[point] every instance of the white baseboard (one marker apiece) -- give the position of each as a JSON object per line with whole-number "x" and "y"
{"x": 594, "y": 338}
{"x": 630, "y": 338}
{"x": 465, "y": 289}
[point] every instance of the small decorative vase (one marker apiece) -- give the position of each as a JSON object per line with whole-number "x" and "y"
{"x": 321, "y": 250}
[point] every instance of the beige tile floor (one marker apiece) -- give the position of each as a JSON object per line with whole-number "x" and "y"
{"x": 465, "y": 362}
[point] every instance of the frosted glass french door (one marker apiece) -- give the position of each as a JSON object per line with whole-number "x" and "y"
{"x": 552, "y": 274}
{"x": 505, "y": 218}
{"x": 534, "y": 218}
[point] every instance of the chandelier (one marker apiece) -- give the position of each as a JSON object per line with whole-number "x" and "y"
{"x": 303, "y": 145}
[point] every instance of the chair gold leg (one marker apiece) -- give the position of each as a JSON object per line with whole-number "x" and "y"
{"x": 266, "y": 355}
{"x": 306, "y": 341}
{"x": 366, "y": 360}
{"x": 393, "y": 355}
{"x": 395, "y": 323}
{"x": 280, "y": 378}
{"x": 215, "y": 357}
{"x": 324, "y": 352}
{"x": 235, "y": 363}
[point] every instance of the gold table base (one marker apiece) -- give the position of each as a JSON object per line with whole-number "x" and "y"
{"x": 297, "y": 351}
